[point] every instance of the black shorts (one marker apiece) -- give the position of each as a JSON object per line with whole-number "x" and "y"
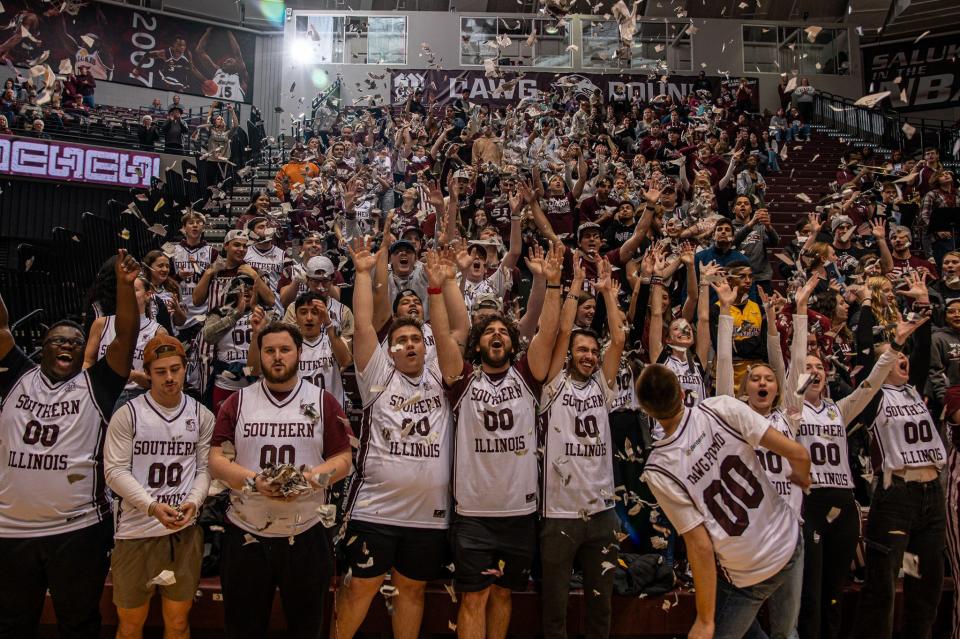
{"x": 480, "y": 544}
{"x": 371, "y": 549}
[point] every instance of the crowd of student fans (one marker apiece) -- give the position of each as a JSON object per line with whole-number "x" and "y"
{"x": 667, "y": 192}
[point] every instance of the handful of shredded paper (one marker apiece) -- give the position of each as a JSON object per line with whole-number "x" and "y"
{"x": 288, "y": 479}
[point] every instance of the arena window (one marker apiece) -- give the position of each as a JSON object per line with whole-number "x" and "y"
{"x": 549, "y": 48}
{"x": 329, "y": 39}
{"x": 772, "y": 49}
{"x": 653, "y": 43}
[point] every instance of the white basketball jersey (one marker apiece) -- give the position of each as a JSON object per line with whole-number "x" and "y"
{"x": 195, "y": 260}
{"x": 268, "y": 263}
{"x": 495, "y": 462}
{"x": 777, "y": 468}
{"x": 228, "y": 85}
{"x": 577, "y": 476}
{"x": 691, "y": 380}
{"x": 51, "y": 442}
{"x": 233, "y": 348}
{"x": 823, "y": 434}
{"x": 709, "y": 462}
{"x": 904, "y": 433}
{"x": 270, "y": 431}
{"x": 164, "y": 462}
{"x": 148, "y": 329}
{"x": 403, "y": 462}
{"x": 319, "y": 367}
{"x": 625, "y": 397}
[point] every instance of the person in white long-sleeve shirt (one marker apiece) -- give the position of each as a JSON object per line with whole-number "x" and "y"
{"x": 155, "y": 461}
{"x": 769, "y": 390}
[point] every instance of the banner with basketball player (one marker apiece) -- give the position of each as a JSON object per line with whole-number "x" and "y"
{"x": 441, "y": 85}
{"x": 129, "y": 46}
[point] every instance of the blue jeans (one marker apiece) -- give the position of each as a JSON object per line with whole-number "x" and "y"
{"x": 803, "y": 130}
{"x": 773, "y": 161}
{"x": 89, "y": 101}
{"x": 737, "y": 608}
{"x": 783, "y": 609}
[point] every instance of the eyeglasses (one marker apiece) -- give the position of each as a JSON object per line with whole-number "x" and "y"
{"x": 73, "y": 342}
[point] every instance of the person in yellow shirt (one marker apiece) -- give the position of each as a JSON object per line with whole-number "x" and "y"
{"x": 749, "y": 323}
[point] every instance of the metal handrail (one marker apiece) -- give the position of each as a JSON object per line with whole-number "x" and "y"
{"x": 884, "y": 129}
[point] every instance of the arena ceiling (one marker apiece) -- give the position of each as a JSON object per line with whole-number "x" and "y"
{"x": 873, "y": 19}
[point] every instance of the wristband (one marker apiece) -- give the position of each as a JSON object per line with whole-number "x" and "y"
{"x": 152, "y": 508}
{"x": 656, "y": 280}
{"x": 894, "y": 346}
{"x": 434, "y": 290}
{"x": 554, "y": 286}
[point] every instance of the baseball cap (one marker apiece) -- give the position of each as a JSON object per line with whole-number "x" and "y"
{"x": 402, "y": 244}
{"x": 236, "y": 234}
{"x": 404, "y": 293}
{"x": 586, "y": 226}
{"x": 840, "y": 219}
{"x": 319, "y": 266}
{"x": 162, "y": 346}
{"x": 488, "y": 300}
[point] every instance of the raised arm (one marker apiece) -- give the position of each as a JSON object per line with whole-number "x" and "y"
{"x": 538, "y": 290}
{"x": 543, "y": 224}
{"x": 854, "y": 403}
{"x": 457, "y": 316}
{"x": 789, "y": 398}
{"x": 365, "y": 341}
{"x": 657, "y": 311}
{"x": 581, "y": 176}
{"x": 707, "y": 273}
{"x": 120, "y": 352}
{"x": 258, "y": 322}
{"x": 449, "y": 356}
{"x": 687, "y": 255}
{"x": 568, "y": 314}
{"x": 726, "y": 297}
{"x": 609, "y": 288}
{"x": 541, "y": 346}
{"x": 879, "y": 230}
{"x": 517, "y": 202}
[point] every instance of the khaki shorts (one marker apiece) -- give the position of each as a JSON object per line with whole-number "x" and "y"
{"x": 135, "y": 562}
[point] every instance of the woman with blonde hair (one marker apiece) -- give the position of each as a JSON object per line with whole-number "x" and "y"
{"x": 771, "y": 391}
{"x": 880, "y": 291}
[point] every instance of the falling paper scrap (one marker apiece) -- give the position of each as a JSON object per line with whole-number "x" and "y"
{"x": 812, "y": 33}
{"x": 911, "y": 565}
{"x": 908, "y": 130}
{"x": 871, "y": 100}
{"x": 165, "y": 578}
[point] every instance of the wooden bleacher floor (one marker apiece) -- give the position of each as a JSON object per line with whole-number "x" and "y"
{"x": 633, "y": 616}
